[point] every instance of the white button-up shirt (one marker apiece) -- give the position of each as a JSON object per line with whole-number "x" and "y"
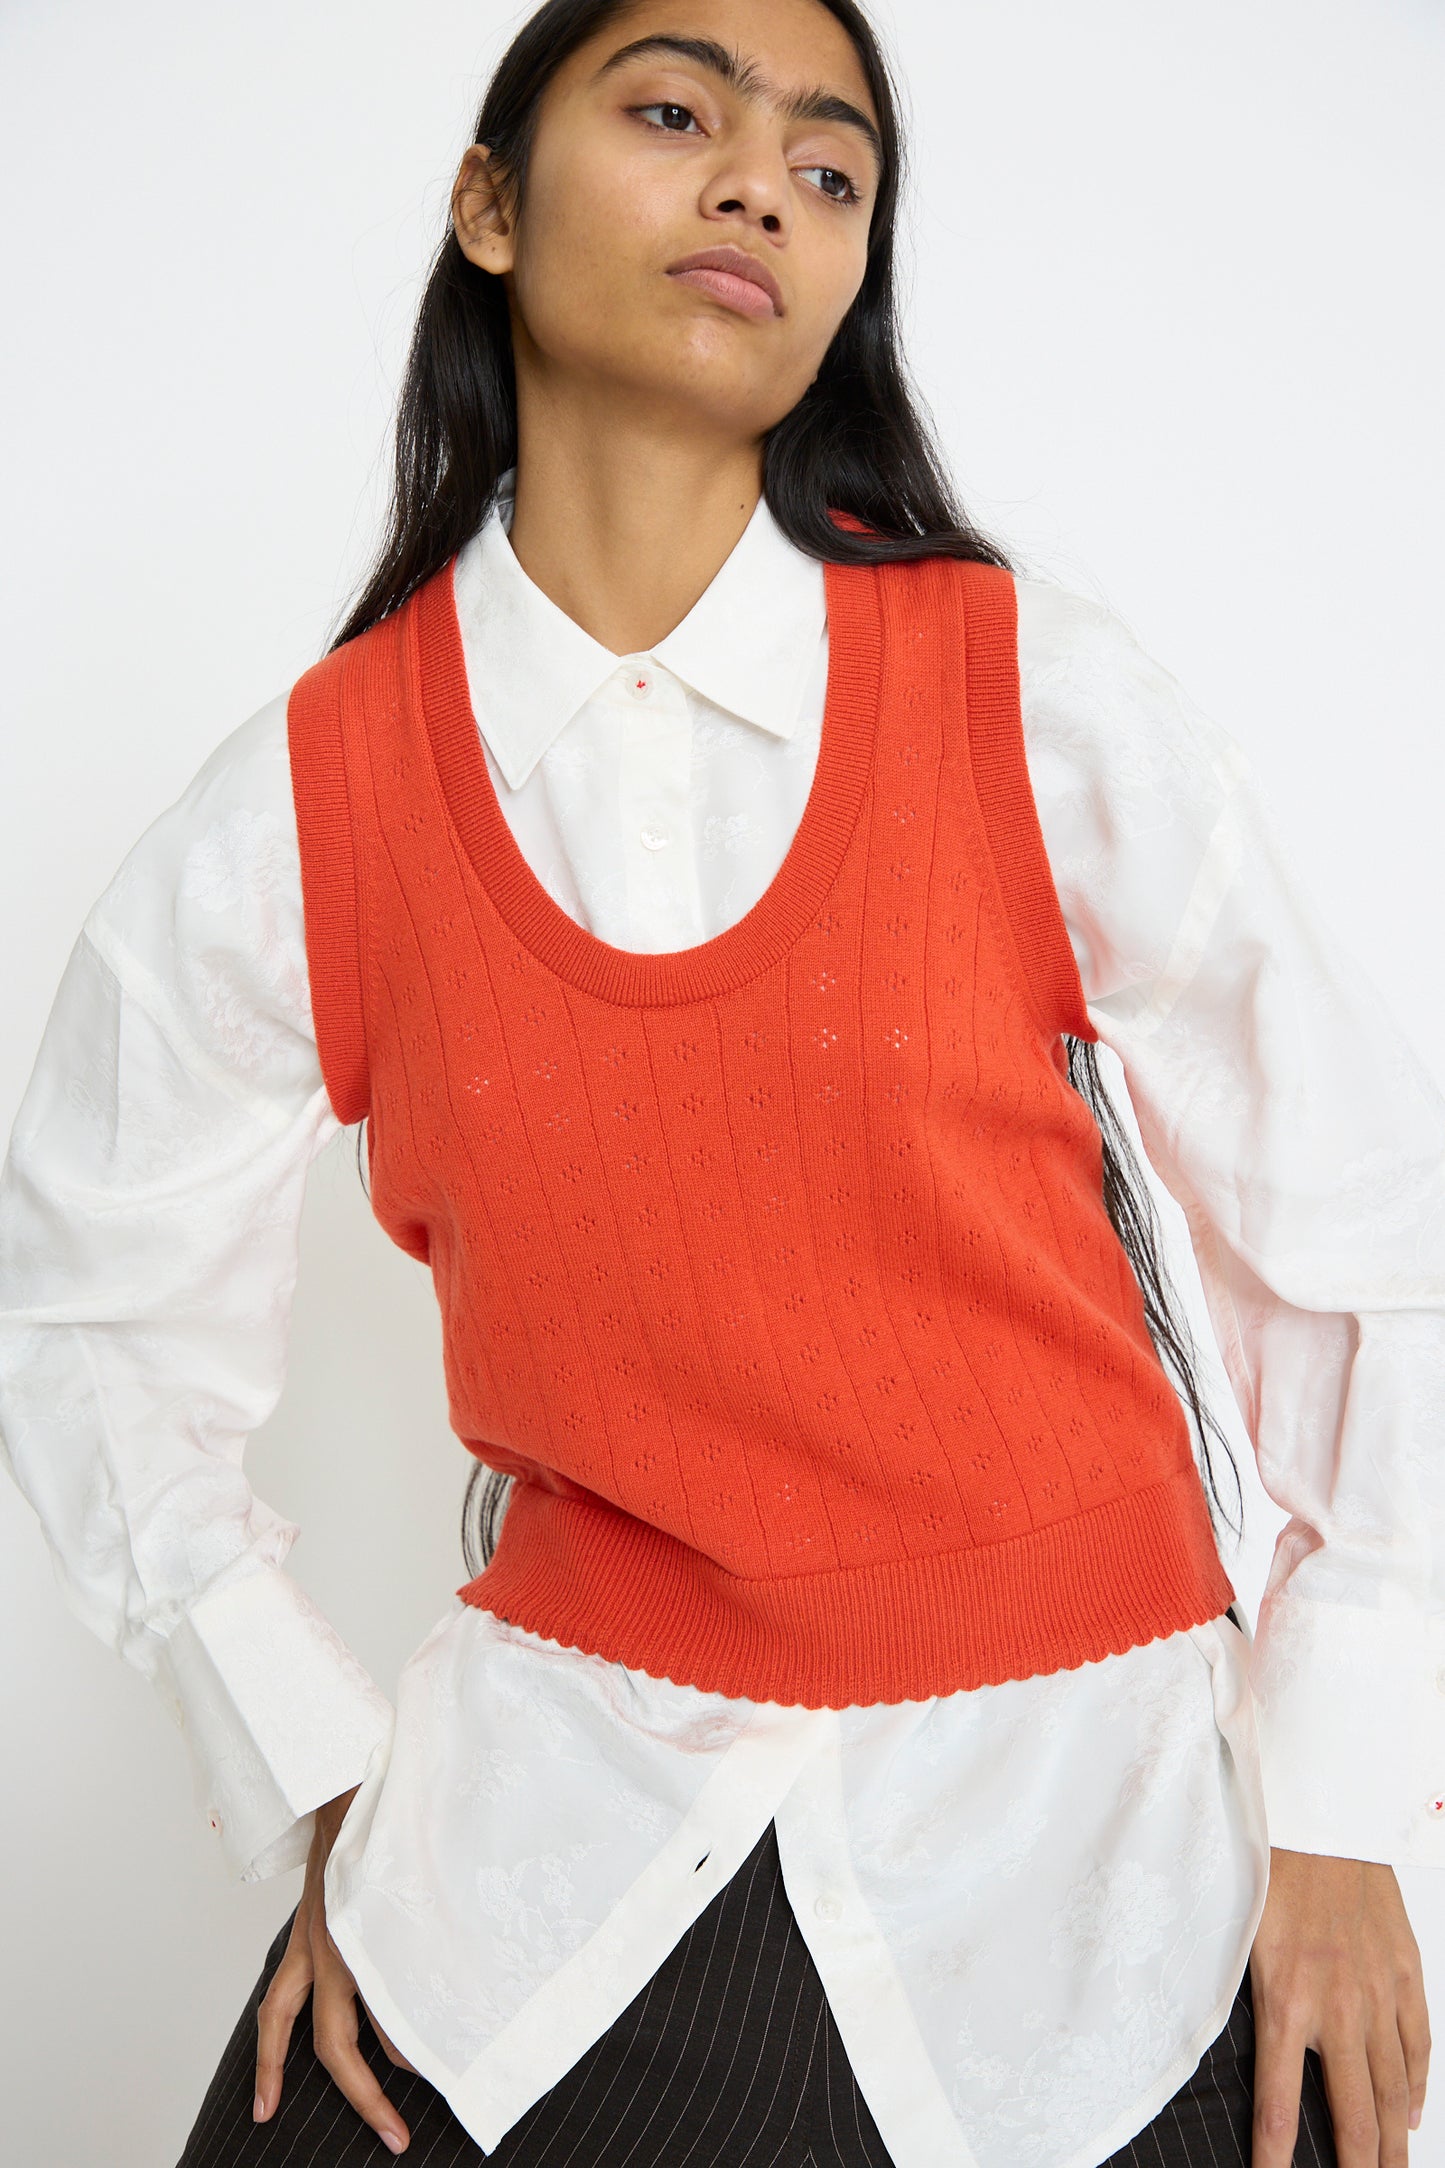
{"x": 1031, "y": 1904}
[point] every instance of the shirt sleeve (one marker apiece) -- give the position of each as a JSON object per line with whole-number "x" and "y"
{"x": 1282, "y": 1106}
{"x": 150, "y": 1205}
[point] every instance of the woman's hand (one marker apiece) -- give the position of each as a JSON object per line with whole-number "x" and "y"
{"x": 1335, "y": 1967}
{"x": 312, "y": 1959}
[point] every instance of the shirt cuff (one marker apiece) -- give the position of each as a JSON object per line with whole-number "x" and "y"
{"x": 278, "y": 1715}
{"x": 1350, "y": 1712}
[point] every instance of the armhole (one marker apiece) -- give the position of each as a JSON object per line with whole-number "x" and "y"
{"x": 329, "y": 887}
{"x": 1006, "y": 798}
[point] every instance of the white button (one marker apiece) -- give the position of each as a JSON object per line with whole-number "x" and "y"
{"x": 1440, "y": 1678}
{"x": 652, "y": 839}
{"x": 827, "y": 1906}
{"x": 639, "y": 684}
{"x": 1436, "y": 1805}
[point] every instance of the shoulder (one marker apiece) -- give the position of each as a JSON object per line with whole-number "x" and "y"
{"x": 1096, "y": 699}
{"x": 204, "y": 911}
{"x": 232, "y": 823}
{"x": 1137, "y": 789}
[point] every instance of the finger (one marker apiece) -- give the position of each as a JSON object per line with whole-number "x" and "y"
{"x": 394, "y": 2052}
{"x": 333, "y": 2032}
{"x": 1412, "y": 2018}
{"x": 285, "y": 1995}
{"x": 1350, "y": 2091}
{"x": 1279, "y": 2068}
{"x": 1392, "y": 2093}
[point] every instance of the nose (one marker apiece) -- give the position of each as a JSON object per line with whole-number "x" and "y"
{"x": 752, "y": 183}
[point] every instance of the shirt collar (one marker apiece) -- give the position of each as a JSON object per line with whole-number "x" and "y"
{"x": 747, "y": 644}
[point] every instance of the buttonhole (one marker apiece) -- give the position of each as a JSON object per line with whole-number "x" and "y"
{"x": 703, "y": 1861}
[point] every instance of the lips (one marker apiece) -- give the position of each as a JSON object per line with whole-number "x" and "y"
{"x": 733, "y": 265}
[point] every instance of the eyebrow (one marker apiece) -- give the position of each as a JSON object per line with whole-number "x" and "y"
{"x": 744, "y": 77}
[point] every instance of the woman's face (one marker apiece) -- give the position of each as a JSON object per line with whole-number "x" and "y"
{"x": 644, "y": 158}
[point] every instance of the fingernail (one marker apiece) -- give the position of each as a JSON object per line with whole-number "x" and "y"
{"x": 389, "y": 2137}
{"x": 259, "y": 2108}
{"x": 1414, "y": 2119}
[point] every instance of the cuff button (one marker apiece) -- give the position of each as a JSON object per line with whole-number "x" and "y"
{"x": 1436, "y": 1805}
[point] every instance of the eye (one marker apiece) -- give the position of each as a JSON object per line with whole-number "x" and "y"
{"x": 848, "y": 194}
{"x": 686, "y": 112}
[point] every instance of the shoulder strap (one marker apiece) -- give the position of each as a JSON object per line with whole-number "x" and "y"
{"x": 321, "y": 788}
{"x": 989, "y": 602}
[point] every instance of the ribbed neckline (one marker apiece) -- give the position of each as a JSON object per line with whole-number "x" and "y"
{"x": 764, "y": 933}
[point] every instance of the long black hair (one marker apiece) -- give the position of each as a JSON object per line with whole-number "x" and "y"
{"x": 857, "y": 440}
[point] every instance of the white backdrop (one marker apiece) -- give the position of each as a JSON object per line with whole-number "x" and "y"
{"x": 1176, "y": 306}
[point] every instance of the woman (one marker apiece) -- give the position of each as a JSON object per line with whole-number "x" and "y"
{"x": 846, "y": 1753}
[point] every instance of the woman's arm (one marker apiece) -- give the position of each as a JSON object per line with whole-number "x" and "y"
{"x": 1281, "y": 1105}
{"x": 149, "y": 1209}
{"x": 1305, "y": 1143}
{"x": 1284, "y": 1109}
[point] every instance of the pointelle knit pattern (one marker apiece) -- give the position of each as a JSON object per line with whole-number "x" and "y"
{"x": 776, "y": 1269}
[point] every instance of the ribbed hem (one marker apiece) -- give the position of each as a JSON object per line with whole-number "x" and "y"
{"x": 1094, "y": 1585}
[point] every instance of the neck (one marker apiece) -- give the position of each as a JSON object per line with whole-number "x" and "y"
{"x": 624, "y": 527}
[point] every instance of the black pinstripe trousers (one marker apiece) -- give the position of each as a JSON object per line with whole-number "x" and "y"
{"x": 729, "y": 2058}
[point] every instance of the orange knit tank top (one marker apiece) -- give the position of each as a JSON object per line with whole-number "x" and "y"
{"x": 776, "y": 1269}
